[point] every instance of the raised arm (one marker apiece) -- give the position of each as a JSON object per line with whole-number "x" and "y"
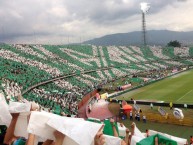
{"x": 127, "y": 141}
{"x": 59, "y": 138}
{"x": 132, "y": 128}
{"x": 156, "y": 140}
{"x": 10, "y": 130}
{"x": 31, "y": 139}
{"x": 114, "y": 128}
{"x": 99, "y": 138}
{"x": 132, "y": 132}
{"x": 48, "y": 142}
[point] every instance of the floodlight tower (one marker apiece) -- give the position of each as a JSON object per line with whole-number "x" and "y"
{"x": 144, "y": 8}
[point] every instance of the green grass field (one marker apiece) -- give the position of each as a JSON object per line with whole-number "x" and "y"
{"x": 177, "y": 88}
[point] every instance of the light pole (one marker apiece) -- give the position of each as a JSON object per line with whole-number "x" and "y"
{"x": 144, "y": 8}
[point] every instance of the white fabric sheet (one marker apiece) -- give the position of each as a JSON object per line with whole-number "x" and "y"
{"x": 138, "y": 136}
{"x": 138, "y": 133}
{"x": 37, "y": 124}
{"x": 17, "y": 107}
{"x": 135, "y": 139}
{"x": 73, "y": 128}
{"x": 77, "y": 131}
{"x": 21, "y": 125}
{"x": 5, "y": 116}
{"x": 80, "y": 131}
{"x": 122, "y": 129}
{"x": 111, "y": 140}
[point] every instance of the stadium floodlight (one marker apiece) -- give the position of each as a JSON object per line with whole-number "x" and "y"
{"x": 144, "y": 8}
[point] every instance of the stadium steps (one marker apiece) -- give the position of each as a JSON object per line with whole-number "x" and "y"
{"x": 106, "y": 54}
{"x": 169, "y": 51}
{"x": 86, "y": 49}
{"x": 191, "y": 51}
{"x": 102, "y": 64}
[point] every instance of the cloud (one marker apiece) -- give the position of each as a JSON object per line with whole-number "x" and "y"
{"x": 48, "y": 21}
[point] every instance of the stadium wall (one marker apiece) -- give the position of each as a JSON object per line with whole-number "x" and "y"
{"x": 86, "y": 98}
{"x": 175, "y": 105}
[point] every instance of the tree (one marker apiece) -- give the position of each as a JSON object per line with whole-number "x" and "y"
{"x": 174, "y": 43}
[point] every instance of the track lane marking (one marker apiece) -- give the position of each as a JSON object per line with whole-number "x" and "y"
{"x": 184, "y": 95}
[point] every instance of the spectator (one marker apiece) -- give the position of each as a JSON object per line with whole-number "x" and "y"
{"x": 90, "y": 106}
{"x": 144, "y": 119}
{"x": 171, "y": 105}
{"x": 131, "y": 115}
{"x": 89, "y": 109}
{"x": 151, "y": 105}
{"x": 120, "y": 104}
{"x": 135, "y": 115}
{"x": 185, "y": 106}
{"x": 147, "y": 133}
{"x": 138, "y": 116}
{"x": 191, "y": 140}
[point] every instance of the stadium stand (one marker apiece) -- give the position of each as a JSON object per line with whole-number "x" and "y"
{"x": 58, "y": 77}
{"x": 25, "y": 66}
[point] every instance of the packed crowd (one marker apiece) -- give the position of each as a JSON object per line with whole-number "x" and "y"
{"x": 23, "y": 66}
{"x": 11, "y": 89}
{"x": 62, "y": 102}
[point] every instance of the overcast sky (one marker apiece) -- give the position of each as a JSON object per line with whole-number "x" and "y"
{"x": 63, "y": 21}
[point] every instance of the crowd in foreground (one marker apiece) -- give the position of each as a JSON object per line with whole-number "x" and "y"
{"x": 27, "y": 124}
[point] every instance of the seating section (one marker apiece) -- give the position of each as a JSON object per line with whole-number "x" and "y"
{"x": 58, "y": 76}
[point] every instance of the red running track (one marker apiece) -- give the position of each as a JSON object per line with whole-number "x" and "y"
{"x": 100, "y": 110}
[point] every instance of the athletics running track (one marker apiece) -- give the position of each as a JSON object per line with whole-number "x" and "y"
{"x": 99, "y": 110}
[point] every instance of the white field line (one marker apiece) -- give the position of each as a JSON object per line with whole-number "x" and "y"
{"x": 184, "y": 95}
